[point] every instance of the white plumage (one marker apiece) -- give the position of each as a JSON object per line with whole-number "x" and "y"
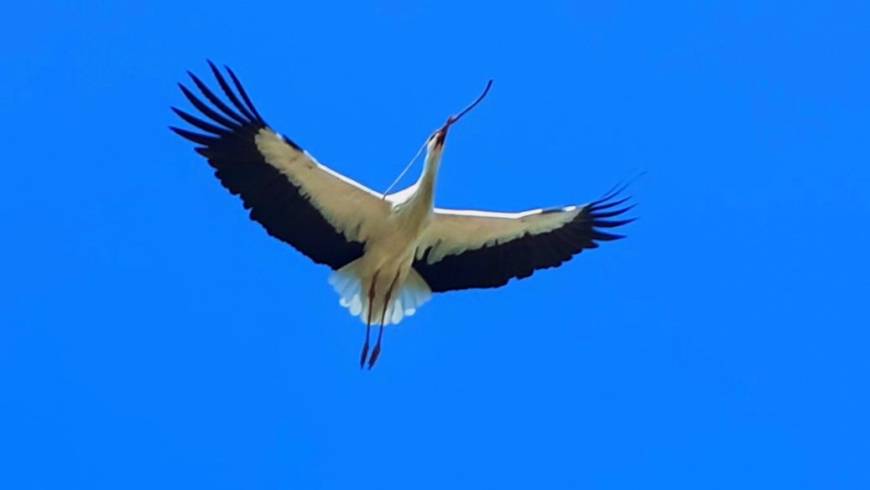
{"x": 389, "y": 254}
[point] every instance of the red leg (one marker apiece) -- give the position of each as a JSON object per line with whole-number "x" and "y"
{"x": 365, "y": 349}
{"x": 377, "y": 351}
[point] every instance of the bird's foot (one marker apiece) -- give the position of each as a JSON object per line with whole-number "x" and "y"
{"x": 362, "y": 357}
{"x": 375, "y": 353}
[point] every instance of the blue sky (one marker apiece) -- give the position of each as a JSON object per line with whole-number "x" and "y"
{"x": 151, "y": 336}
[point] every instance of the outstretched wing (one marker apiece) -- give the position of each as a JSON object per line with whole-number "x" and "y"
{"x": 477, "y": 249}
{"x": 326, "y": 216}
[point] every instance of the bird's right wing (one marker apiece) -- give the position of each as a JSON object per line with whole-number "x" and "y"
{"x": 477, "y": 249}
{"x": 326, "y": 216}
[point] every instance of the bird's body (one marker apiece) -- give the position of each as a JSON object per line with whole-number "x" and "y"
{"x": 385, "y": 267}
{"x": 373, "y": 285}
{"x": 389, "y": 253}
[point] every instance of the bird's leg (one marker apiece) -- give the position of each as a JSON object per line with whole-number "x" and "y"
{"x": 377, "y": 351}
{"x": 365, "y": 349}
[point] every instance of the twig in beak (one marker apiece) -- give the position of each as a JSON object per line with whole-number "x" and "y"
{"x": 453, "y": 119}
{"x": 442, "y": 133}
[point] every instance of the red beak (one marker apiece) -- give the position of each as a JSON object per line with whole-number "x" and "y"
{"x": 442, "y": 133}
{"x": 439, "y": 137}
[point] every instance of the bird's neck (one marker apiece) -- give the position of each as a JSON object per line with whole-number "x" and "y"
{"x": 424, "y": 194}
{"x": 426, "y": 187}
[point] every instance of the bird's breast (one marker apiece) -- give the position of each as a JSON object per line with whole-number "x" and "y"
{"x": 398, "y": 239}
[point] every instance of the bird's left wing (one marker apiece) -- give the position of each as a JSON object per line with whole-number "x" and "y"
{"x": 477, "y": 249}
{"x": 326, "y": 216}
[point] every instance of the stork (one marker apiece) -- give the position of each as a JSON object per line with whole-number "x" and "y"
{"x": 389, "y": 253}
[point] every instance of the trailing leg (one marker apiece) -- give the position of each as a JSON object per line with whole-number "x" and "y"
{"x": 365, "y": 349}
{"x": 377, "y": 351}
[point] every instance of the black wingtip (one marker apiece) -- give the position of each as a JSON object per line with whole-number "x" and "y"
{"x": 607, "y": 204}
{"x": 195, "y": 137}
{"x": 620, "y": 187}
{"x": 228, "y": 92}
{"x": 611, "y": 205}
{"x": 613, "y": 223}
{"x": 187, "y": 93}
{"x": 195, "y": 79}
{"x": 597, "y": 212}
{"x": 605, "y": 237}
{"x": 244, "y": 94}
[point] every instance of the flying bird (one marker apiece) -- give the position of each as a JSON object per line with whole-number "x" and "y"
{"x": 389, "y": 253}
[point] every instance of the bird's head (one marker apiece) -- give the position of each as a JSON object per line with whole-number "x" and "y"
{"x": 436, "y": 141}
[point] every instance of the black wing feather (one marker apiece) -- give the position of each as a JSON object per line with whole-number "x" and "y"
{"x": 215, "y": 100}
{"x": 208, "y": 111}
{"x": 230, "y": 94}
{"x": 199, "y": 123}
{"x": 243, "y": 94}
{"x": 274, "y": 201}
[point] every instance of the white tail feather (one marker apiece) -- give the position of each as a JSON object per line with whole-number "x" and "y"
{"x": 409, "y": 297}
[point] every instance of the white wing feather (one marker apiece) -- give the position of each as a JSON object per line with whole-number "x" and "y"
{"x": 452, "y": 232}
{"x": 350, "y": 207}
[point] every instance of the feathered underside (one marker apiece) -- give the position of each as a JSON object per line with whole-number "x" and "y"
{"x": 470, "y": 249}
